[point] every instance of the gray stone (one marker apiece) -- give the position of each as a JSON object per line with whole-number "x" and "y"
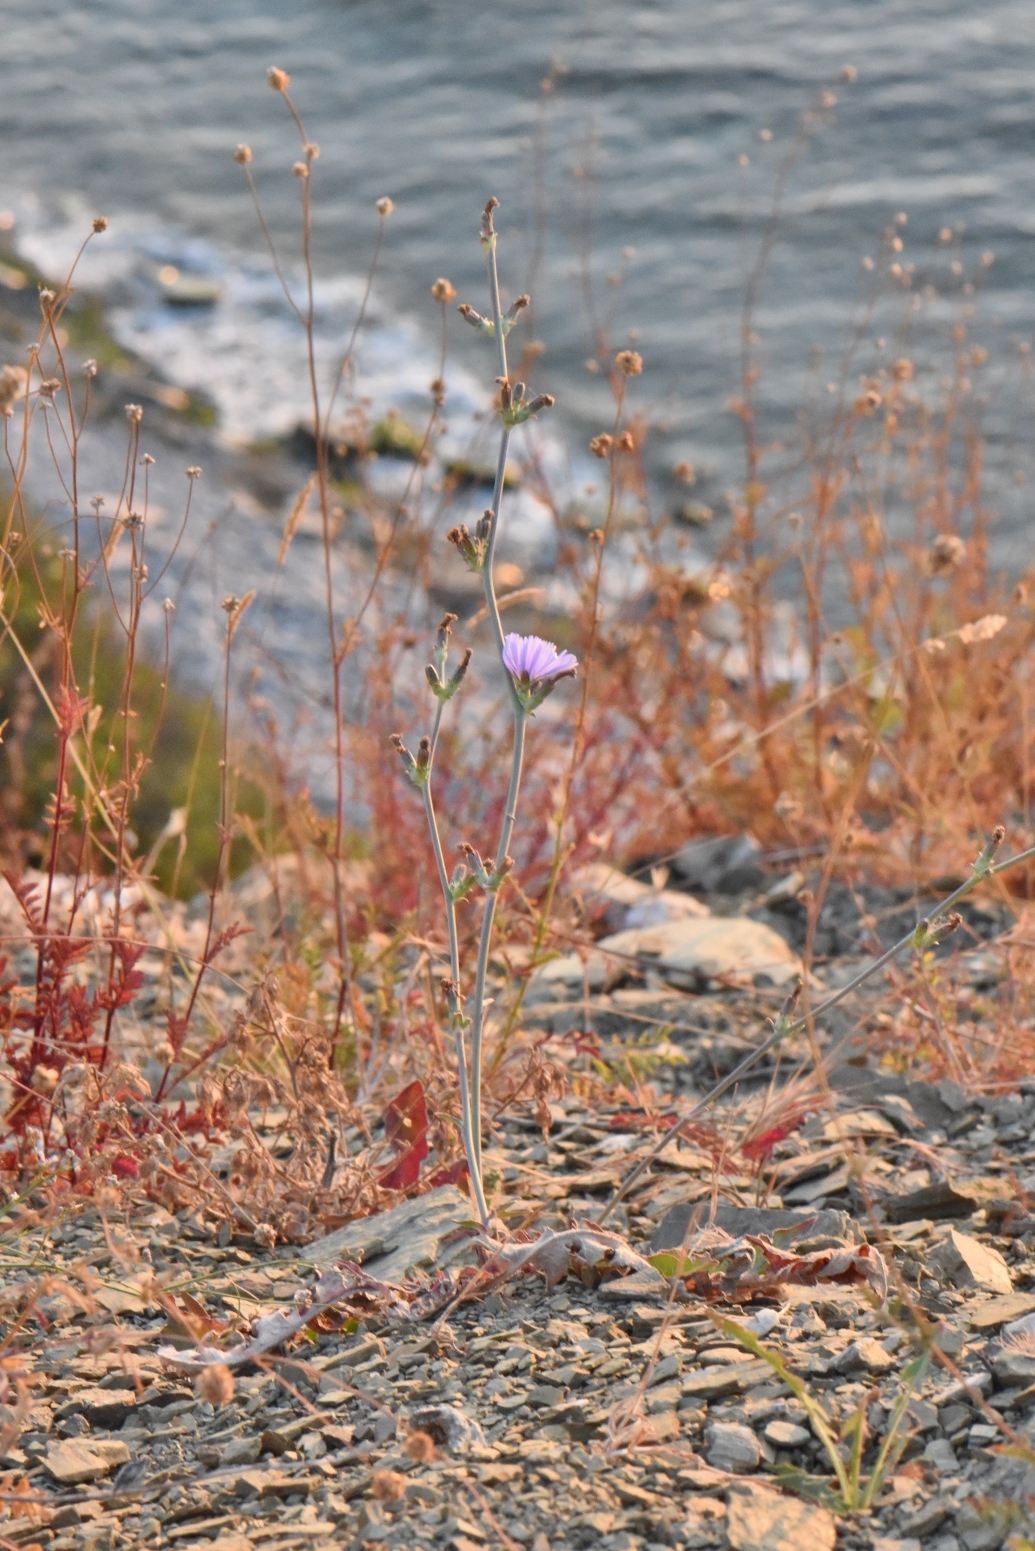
{"x": 1011, "y": 1367}
{"x": 241, "y": 1451}
{"x": 716, "y": 947}
{"x": 758, "y": 1519}
{"x": 864, "y": 1353}
{"x": 971, "y": 1264}
{"x": 724, "y": 864}
{"x": 786, "y": 1435}
{"x": 791, "y": 1227}
{"x": 404, "y": 1239}
{"x": 731, "y": 1446}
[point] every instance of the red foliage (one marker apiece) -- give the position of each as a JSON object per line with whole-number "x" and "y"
{"x": 406, "y": 1129}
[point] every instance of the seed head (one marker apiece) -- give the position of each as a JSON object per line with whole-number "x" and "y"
{"x": 243, "y": 154}
{"x": 44, "y": 1079}
{"x": 629, "y": 363}
{"x": 420, "y": 1446}
{"x": 13, "y": 382}
{"x": 442, "y": 291}
{"x": 165, "y": 1055}
{"x": 388, "y": 1486}
{"x": 301, "y": 169}
{"x": 278, "y": 79}
{"x": 215, "y": 1383}
{"x": 946, "y": 553}
{"x": 90, "y": 368}
{"x": 384, "y": 206}
{"x": 134, "y": 413}
{"x": 601, "y": 445}
{"x": 264, "y": 1236}
{"x": 626, "y": 442}
{"x": 100, "y": 223}
{"x": 194, "y": 472}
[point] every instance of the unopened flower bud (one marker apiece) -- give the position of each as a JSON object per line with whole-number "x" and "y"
{"x": 278, "y": 79}
{"x": 486, "y": 231}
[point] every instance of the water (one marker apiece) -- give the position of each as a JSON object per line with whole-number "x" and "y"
{"x": 625, "y": 207}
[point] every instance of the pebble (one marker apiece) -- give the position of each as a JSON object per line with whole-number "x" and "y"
{"x": 786, "y": 1435}
{"x": 732, "y": 1446}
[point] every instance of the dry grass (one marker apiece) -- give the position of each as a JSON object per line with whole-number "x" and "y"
{"x": 845, "y": 679}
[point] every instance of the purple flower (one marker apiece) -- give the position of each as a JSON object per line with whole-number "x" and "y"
{"x": 534, "y": 661}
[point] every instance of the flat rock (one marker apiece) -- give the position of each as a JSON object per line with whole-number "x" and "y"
{"x": 972, "y": 1264}
{"x": 865, "y": 1353}
{"x": 241, "y": 1451}
{"x": 715, "y": 1383}
{"x": 75, "y": 1461}
{"x": 740, "y": 1220}
{"x": 100, "y": 1407}
{"x": 1001, "y": 1311}
{"x": 721, "y": 864}
{"x": 786, "y": 1435}
{"x": 1012, "y": 1367}
{"x": 714, "y": 948}
{"x": 631, "y": 901}
{"x": 760, "y": 1520}
{"x": 732, "y": 1446}
{"x": 393, "y": 1243}
{"x": 941, "y": 1202}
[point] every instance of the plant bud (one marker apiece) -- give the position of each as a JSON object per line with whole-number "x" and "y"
{"x": 243, "y": 154}
{"x": 278, "y": 79}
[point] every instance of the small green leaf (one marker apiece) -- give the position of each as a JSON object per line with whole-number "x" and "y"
{"x": 671, "y": 1265}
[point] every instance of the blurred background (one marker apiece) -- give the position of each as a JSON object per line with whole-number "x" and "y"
{"x": 636, "y": 186}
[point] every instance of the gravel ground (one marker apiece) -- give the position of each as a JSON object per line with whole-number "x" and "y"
{"x": 492, "y": 1425}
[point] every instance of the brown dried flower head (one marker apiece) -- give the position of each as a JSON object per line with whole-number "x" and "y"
{"x": 13, "y": 382}
{"x": 601, "y": 445}
{"x": 420, "y": 1446}
{"x": 384, "y": 206}
{"x": 100, "y": 223}
{"x": 278, "y": 79}
{"x": 442, "y": 291}
{"x": 629, "y": 363}
{"x": 946, "y": 553}
{"x": 301, "y": 169}
{"x": 44, "y": 1079}
{"x": 134, "y": 413}
{"x": 243, "y": 154}
{"x": 215, "y": 1383}
{"x": 388, "y": 1486}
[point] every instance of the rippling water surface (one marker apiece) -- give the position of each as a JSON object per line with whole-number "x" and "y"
{"x": 635, "y": 193}
{"x": 630, "y": 166}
